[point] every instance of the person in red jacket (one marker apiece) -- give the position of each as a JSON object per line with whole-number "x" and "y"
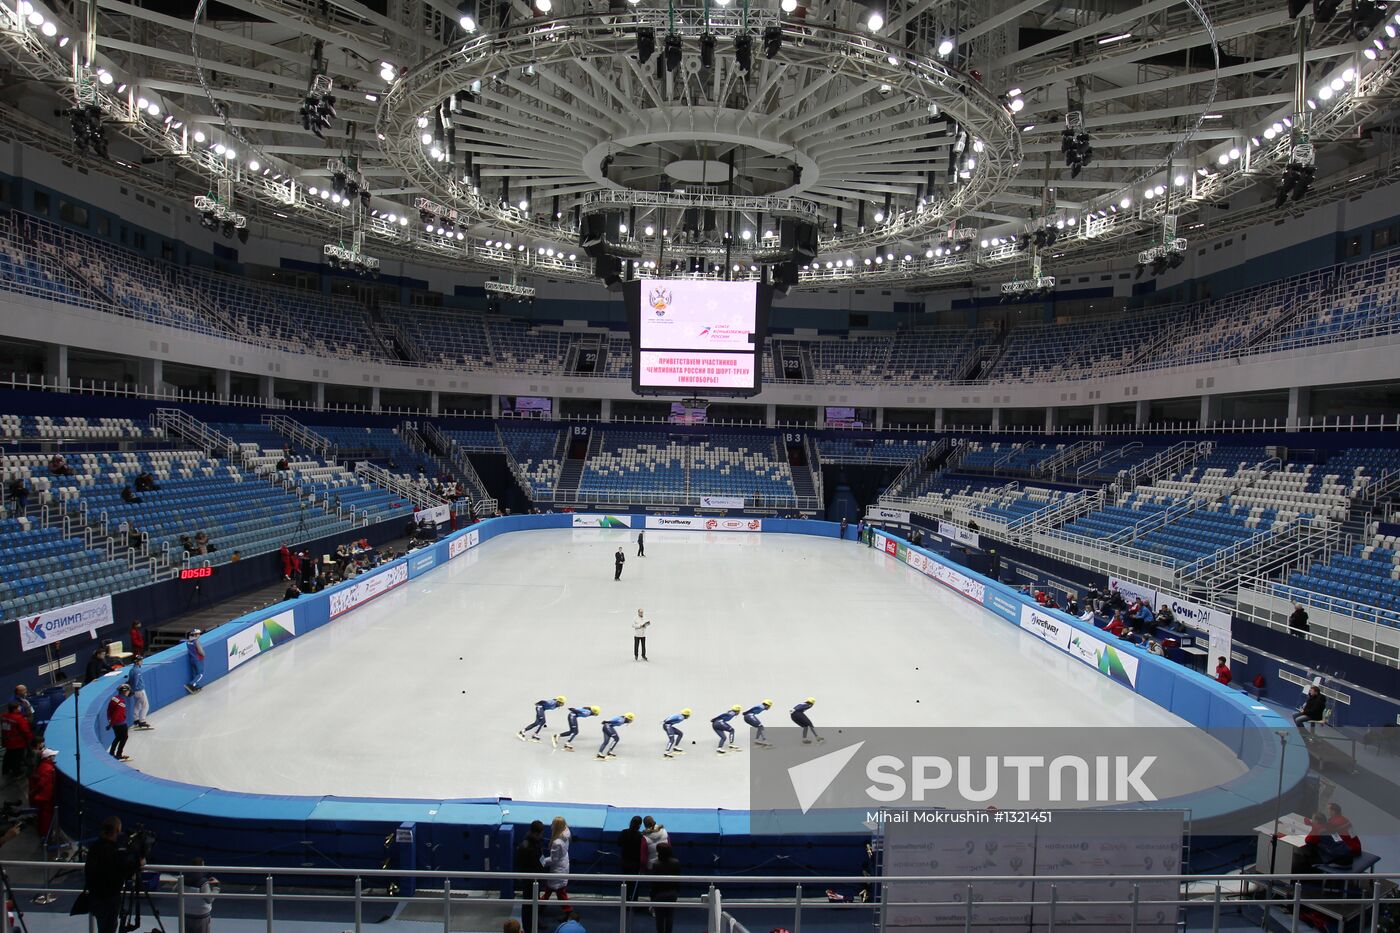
{"x": 15, "y": 734}
{"x": 1330, "y": 841}
{"x": 285, "y": 554}
{"x": 1116, "y": 626}
{"x": 41, "y": 788}
{"x": 1222, "y": 671}
{"x": 116, "y": 722}
{"x": 137, "y": 636}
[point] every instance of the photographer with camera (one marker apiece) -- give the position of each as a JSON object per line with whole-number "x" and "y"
{"x": 110, "y": 865}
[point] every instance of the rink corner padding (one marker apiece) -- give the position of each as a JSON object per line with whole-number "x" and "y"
{"x": 469, "y": 833}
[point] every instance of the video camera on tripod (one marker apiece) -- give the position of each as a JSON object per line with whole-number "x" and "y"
{"x": 139, "y": 843}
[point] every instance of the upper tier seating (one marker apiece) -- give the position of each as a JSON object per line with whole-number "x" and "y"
{"x": 734, "y": 465}
{"x": 1366, "y": 299}
{"x": 634, "y": 463}
{"x": 537, "y": 452}
{"x": 1369, "y": 574}
{"x": 43, "y": 427}
{"x": 870, "y": 450}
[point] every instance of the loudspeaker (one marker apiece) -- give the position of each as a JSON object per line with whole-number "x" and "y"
{"x": 785, "y": 276}
{"x": 591, "y": 236}
{"x": 799, "y": 239}
{"x": 609, "y": 269}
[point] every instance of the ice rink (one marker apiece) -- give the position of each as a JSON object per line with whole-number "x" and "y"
{"x": 420, "y": 693}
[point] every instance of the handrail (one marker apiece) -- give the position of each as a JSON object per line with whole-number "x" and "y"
{"x": 299, "y": 433}
{"x": 1061, "y": 512}
{"x": 459, "y": 459}
{"x": 1051, "y": 466}
{"x": 411, "y": 491}
{"x": 179, "y": 422}
{"x": 1117, "y": 453}
{"x": 1361, "y": 613}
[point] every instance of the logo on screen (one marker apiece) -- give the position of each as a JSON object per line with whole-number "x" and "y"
{"x": 660, "y": 299}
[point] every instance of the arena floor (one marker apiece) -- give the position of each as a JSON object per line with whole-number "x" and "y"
{"x": 420, "y": 693}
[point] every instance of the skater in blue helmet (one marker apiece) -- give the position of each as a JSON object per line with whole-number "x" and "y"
{"x": 610, "y": 737}
{"x": 673, "y": 733}
{"x": 575, "y": 714}
{"x": 724, "y": 730}
{"x": 541, "y": 707}
{"x": 751, "y": 717}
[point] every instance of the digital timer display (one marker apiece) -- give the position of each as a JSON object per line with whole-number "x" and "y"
{"x": 196, "y": 573}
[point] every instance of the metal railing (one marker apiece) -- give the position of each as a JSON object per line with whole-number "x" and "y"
{"x": 1370, "y": 626}
{"x": 176, "y": 422}
{"x": 1054, "y": 466}
{"x": 1061, "y": 512}
{"x": 1093, "y": 467}
{"x": 459, "y": 459}
{"x": 715, "y": 902}
{"x": 418, "y": 495}
{"x": 1277, "y": 546}
{"x": 1172, "y": 460}
{"x": 299, "y": 433}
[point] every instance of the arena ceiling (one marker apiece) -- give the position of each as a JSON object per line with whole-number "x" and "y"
{"x": 926, "y": 143}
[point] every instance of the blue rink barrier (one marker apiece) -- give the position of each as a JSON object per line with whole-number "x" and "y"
{"x": 478, "y": 834}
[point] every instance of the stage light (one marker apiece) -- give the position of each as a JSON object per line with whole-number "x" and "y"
{"x": 646, "y": 43}
{"x": 467, "y": 23}
{"x": 945, "y": 48}
{"x": 253, "y": 165}
{"x": 789, "y": 6}
{"x": 544, "y": 6}
{"x": 876, "y": 21}
{"x": 672, "y": 51}
{"x": 707, "y": 51}
{"x": 105, "y": 77}
{"x": 772, "y": 41}
{"x": 743, "y": 51}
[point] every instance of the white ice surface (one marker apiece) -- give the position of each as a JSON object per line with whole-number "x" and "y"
{"x": 420, "y": 693}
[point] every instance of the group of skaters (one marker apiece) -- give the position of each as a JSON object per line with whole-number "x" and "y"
{"x": 722, "y": 725}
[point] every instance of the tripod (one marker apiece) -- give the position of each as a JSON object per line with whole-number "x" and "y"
{"x": 13, "y": 898}
{"x": 132, "y": 896}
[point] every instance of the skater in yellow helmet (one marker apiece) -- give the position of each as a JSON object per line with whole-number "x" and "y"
{"x": 541, "y": 707}
{"x": 610, "y": 737}
{"x": 724, "y": 730}
{"x": 751, "y": 717}
{"x": 575, "y": 714}
{"x": 673, "y": 734}
{"x": 799, "y": 716}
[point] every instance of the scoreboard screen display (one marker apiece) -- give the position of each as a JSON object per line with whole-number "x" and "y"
{"x": 697, "y": 337}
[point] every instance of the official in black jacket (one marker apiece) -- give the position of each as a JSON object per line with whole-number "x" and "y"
{"x": 109, "y": 866}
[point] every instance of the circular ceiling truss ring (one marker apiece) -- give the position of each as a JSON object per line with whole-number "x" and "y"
{"x": 863, "y": 58}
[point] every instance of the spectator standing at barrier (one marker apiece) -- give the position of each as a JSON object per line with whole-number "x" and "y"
{"x": 116, "y": 722}
{"x": 529, "y": 856}
{"x": 26, "y": 708}
{"x": 641, "y": 544}
{"x": 19, "y": 495}
{"x": 284, "y": 553}
{"x": 137, "y": 636}
{"x": 1314, "y": 708}
{"x": 843, "y": 528}
{"x": 664, "y": 891}
{"x": 632, "y": 850}
{"x": 194, "y": 657}
{"x": 656, "y": 836}
{"x": 140, "y": 705}
{"x": 618, "y": 560}
{"x": 42, "y": 781}
{"x": 639, "y": 635}
{"x": 200, "y": 889}
{"x": 556, "y": 862}
{"x": 1298, "y": 619}
{"x": 292, "y": 591}
{"x": 1222, "y": 671}
{"x": 109, "y": 865}
{"x": 15, "y": 734}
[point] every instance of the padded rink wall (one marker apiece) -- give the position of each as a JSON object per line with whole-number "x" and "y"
{"x": 478, "y": 834}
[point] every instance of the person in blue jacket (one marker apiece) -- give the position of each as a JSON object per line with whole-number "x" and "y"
{"x": 799, "y": 716}
{"x": 195, "y": 654}
{"x": 541, "y": 707}
{"x": 575, "y": 714}
{"x": 724, "y": 730}
{"x": 673, "y": 733}
{"x": 751, "y": 717}
{"x": 140, "y": 706}
{"x": 610, "y": 737}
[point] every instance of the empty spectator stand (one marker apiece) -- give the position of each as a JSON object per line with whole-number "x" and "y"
{"x": 535, "y": 456}
{"x": 874, "y": 450}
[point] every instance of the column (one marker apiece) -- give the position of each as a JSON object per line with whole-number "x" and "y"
{"x": 996, "y": 419}
{"x": 152, "y": 373}
{"x": 605, "y": 411}
{"x": 1299, "y": 406}
{"x": 879, "y": 419}
{"x": 938, "y": 419}
{"x": 1100, "y": 417}
{"x": 1210, "y": 409}
{"x": 56, "y": 366}
{"x": 1144, "y": 412}
{"x": 267, "y": 390}
{"x": 1051, "y": 419}
{"x": 495, "y": 406}
{"x": 374, "y": 398}
{"x": 318, "y": 396}
{"x": 433, "y": 402}
{"x": 223, "y": 383}
{"x": 770, "y": 415}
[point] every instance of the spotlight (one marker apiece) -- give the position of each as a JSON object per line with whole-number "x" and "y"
{"x": 789, "y": 6}
{"x": 544, "y": 6}
{"x": 467, "y": 23}
{"x": 672, "y": 51}
{"x": 1324, "y": 10}
{"x": 772, "y": 41}
{"x": 646, "y": 43}
{"x": 743, "y": 51}
{"x": 945, "y": 48}
{"x": 707, "y": 51}
{"x": 876, "y": 21}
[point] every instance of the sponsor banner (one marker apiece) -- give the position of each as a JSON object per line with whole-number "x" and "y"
{"x": 421, "y": 561}
{"x": 593, "y": 520}
{"x": 459, "y": 546}
{"x": 1106, "y": 658}
{"x": 702, "y": 523}
{"x": 1132, "y": 591}
{"x": 48, "y": 627}
{"x": 366, "y": 588}
{"x": 891, "y": 546}
{"x": 957, "y": 533}
{"x": 1007, "y": 608}
{"x": 437, "y": 515}
{"x": 1046, "y": 627}
{"x": 932, "y": 568}
{"x": 261, "y": 636}
{"x": 722, "y": 502}
{"x": 1216, "y": 624}
{"x": 875, "y": 514}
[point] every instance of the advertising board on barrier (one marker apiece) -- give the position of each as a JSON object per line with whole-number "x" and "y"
{"x": 721, "y": 502}
{"x": 366, "y": 588}
{"x": 459, "y": 546}
{"x": 1132, "y": 591}
{"x": 1006, "y": 608}
{"x": 437, "y": 515}
{"x": 48, "y": 627}
{"x": 594, "y": 520}
{"x": 1090, "y": 649}
{"x": 1046, "y": 627}
{"x": 957, "y": 533}
{"x": 876, "y": 514}
{"x": 260, "y": 636}
{"x": 932, "y": 568}
{"x": 422, "y": 561}
{"x": 702, "y": 523}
